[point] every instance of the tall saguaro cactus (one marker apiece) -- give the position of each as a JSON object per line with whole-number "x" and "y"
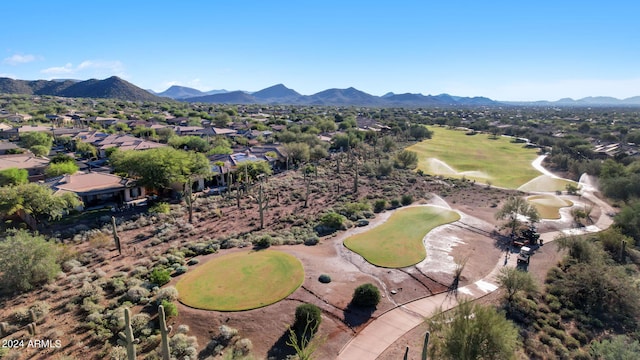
{"x": 425, "y": 348}
{"x": 164, "y": 332}
{"x": 425, "y": 345}
{"x": 116, "y": 238}
{"x": 263, "y": 204}
{"x": 127, "y": 338}
{"x": 189, "y": 199}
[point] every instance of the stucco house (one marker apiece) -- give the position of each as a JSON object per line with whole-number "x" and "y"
{"x": 99, "y": 189}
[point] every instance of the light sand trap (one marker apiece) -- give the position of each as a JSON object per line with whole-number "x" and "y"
{"x": 439, "y": 167}
{"x": 548, "y": 200}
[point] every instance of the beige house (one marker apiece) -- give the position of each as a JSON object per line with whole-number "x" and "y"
{"x": 34, "y": 165}
{"x": 100, "y": 189}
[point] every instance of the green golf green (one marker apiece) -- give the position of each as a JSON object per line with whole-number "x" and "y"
{"x": 480, "y": 157}
{"x": 241, "y": 281}
{"x": 397, "y": 242}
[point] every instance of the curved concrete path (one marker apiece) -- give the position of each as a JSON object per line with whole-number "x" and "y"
{"x": 381, "y": 333}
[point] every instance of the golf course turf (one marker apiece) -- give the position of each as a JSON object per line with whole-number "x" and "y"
{"x": 480, "y": 157}
{"x": 241, "y": 281}
{"x": 397, "y": 242}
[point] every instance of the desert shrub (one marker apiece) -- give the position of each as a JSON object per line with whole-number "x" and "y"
{"x": 183, "y": 346}
{"x": 311, "y": 240}
{"x": 182, "y": 329}
{"x": 180, "y": 270}
{"x": 366, "y": 295}
{"x": 308, "y": 316}
{"x": 160, "y": 276}
{"x": 139, "y": 323}
{"x": 264, "y": 242}
{"x": 330, "y": 222}
{"x": 324, "y": 278}
{"x": 227, "y": 332}
{"x": 99, "y": 240}
{"x": 168, "y": 293}
{"x": 160, "y": 208}
{"x": 406, "y": 199}
{"x": 27, "y": 260}
{"x": 395, "y": 203}
{"x": 40, "y": 310}
{"x": 379, "y": 205}
{"x": 193, "y": 261}
{"x": 243, "y": 347}
{"x": 136, "y": 293}
{"x": 170, "y": 309}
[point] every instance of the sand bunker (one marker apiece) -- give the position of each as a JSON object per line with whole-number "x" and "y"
{"x": 549, "y": 205}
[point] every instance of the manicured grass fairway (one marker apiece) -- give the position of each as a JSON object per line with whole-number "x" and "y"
{"x": 506, "y": 164}
{"x": 241, "y": 281}
{"x": 398, "y": 241}
{"x": 548, "y": 205}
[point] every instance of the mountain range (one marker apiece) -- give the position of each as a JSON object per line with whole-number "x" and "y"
{"x": 280, "y": 94}
{"x": 110, "y": 88}
{"x": 116, "y": 88}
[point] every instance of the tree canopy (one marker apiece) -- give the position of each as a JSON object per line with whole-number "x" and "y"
{"x": 37, "y": 200}
{"x": 27, "y": 260}
{"x": 160, "y": 168}
{"x": 61, "y": 168}
{"x": 514, "y": 210}
{"x": 472, "y": 331}
{"x": 13, "y": 176}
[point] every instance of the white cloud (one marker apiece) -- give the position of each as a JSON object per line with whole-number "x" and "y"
{"x": 17, "y": 59}
{"x": 88, "y": 69}
{"x": 59, "y": 70}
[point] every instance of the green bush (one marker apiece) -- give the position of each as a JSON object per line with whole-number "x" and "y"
{"x": 366, "y": 295}
{"x": 170, "y": 309}
{"x": 180, "y": 270}
{"x": 395, "y": 203}
{"x": 379, "y": 205}
{"x": 160, "y": 208}
{"x": 160, "y": 276}
{"x": 264, "y": 242}
{"x": 27, "y": 261}
{"x": 324, "y": 278}
{"x": 406, "y": 199}
{"x": 307, "y": 315}
{"x": 332, "y": 220}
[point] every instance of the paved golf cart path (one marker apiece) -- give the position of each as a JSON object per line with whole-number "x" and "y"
{"x": 382, "y": 332}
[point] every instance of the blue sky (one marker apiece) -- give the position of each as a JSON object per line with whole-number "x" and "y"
{"x": 505, "y": 50}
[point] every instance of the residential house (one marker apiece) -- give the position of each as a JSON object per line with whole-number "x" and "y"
{"x": 104, "y": 141}
{"x": 100, "y": 189}
{"x": 6, "y": 146}
{"x": 102, "y": 121}
{"x": 35, "y": 166}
